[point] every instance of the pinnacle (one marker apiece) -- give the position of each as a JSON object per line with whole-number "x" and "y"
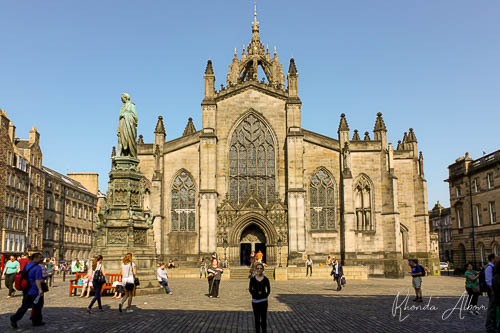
{"x": 343, "y": 126}
{"x": 379, "y": 124}
{"x": 160, "y": 129}
{"x": 411, "y": 136}
{"x": 292, "y": 69}
{"x": 209, "y": 70}
{"x": 356, "y": 137}
{"x": 189, "y": 129}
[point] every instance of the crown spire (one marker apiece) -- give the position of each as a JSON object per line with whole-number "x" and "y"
{"x": 255, "y": 23}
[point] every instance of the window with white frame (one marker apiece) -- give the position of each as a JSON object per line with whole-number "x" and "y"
{"x": 477, "y": 213}
{"x": 475, "y": 184}
{"x": 489, "y": 180}
{"x": 459, "y": 213}
{"x": 491, "y": 206}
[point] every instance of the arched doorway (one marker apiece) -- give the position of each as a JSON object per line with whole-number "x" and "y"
{"x": 252, "y": 239}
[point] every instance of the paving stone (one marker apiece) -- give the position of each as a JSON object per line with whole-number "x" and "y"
{"x": 294, "y": 306}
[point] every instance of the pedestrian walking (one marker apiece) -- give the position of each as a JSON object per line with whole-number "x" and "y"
{"x": 23, "y": 261}
{"x": 203, "y": 267}
{"x": 50, "y": 271}
{"x": 260, "y": 288}
{"x": 338, "y": 273}
{"x": 417, "y": 272}
{"x": 161, "y": 275}
{"x": 472, "y": 287}
{"x": 215, "y": 271}
{"x": 98, "y": 280}
{"x": 488, "y": 275}
{"x": 12, "y": 267}
{"x": 309, "y": 266}
{"x": 128, "y": 282}
{"x": 87, "y": 282}
{"x": 33, "y": 296}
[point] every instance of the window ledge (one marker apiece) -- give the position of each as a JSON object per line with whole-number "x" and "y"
{"x": 368, "y": 232}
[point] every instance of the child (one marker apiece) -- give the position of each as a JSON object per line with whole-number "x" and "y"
{"x": 118, "y": 289}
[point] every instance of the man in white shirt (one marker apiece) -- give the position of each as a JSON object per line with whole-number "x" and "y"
{"x": 162, "y": 277}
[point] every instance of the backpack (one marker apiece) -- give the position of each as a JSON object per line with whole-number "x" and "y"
{"x": 423, "y": 270}
{"x": 21, "y": 281}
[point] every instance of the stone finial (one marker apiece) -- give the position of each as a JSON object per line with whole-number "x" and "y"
{"x": 405, "y": 138}
{"x": 379, "y": 123}
{"x": 356, "y": 137}
{"x": 343, "y": 123}
{"x": 190, "y": 129}
{"x": 113, "y": 152}
{"x": 209, "y": 69}
{"x": 411, "y": 136}
{"x": 160, "y": 129}
{"x": 367, "y": 136}
{"x": 292, "y": 70}
{"x": 400, "y": 146}
{"x": 141, "y": 139}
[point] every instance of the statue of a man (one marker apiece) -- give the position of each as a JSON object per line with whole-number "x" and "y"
{"x": 127, "y": 128}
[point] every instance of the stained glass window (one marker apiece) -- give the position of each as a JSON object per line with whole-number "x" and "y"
{"x": 322, "y": 201}
{"x": 363, "y": 197}
{"x": 252, "y": 161}
{"x": 183, "y": 203}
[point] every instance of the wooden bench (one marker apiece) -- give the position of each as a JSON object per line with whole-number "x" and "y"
{"x": 110, "y": 278}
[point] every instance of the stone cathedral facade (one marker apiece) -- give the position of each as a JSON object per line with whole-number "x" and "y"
{"x": 253, "y": 179}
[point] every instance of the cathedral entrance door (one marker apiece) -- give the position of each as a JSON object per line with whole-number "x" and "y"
{"x": 252, "y": 239}
{"x": 245, "y": 251}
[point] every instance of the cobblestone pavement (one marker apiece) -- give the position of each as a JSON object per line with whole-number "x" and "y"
{"x": 294, "y": 306}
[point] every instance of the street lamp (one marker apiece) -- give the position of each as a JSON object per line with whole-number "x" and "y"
{"x": 224, "y": 245}
{"x": 279, "y": 250}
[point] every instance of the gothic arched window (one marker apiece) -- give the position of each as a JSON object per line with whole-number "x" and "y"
{"x": 252, "y": 161}
{"x": 363, "y": 197}
{"x": 322, "y": 201}
{"x": 183, "y": 207}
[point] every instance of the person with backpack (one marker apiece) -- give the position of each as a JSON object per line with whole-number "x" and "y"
{"x": 30, "y": 281}
{"x": 417, "y": 272}
{"x": 98, "y": 280}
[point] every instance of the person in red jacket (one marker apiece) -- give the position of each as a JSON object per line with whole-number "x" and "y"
{"x": 23, "y": 261}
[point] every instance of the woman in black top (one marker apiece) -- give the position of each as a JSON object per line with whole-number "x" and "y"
{"x": 260, "y": 290}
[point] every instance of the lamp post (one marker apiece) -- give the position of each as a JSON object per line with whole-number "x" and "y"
{"x": 279, "y": 251}
{"x": 224, "y": 245}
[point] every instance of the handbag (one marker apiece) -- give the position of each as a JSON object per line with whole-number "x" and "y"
{"x": 98, "y": 278}
{"x": 342, "y": 281}
{"x": 476, "y": 289}
{"x": 136, "y": 282}
{"x": 45, "y": 287}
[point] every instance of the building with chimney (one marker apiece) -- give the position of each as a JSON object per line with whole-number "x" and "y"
{"x": 252, "y": 178}
{"x": 475, "y": 200}
{"x": 440, "y": 223}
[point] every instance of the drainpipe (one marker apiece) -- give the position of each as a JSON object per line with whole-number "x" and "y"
{"x": 472, "y": 220}
{"x": 28, "y": 211}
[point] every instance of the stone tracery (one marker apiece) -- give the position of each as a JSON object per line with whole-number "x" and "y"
{"x": 252, "y": 161}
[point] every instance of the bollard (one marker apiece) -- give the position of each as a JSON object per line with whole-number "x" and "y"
{"x": 64, "y": 276}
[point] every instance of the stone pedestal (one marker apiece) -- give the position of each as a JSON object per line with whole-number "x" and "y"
{"x": 125, "y": 227}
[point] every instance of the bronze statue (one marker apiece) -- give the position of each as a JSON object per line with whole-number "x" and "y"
{"x": 127, "y": 128}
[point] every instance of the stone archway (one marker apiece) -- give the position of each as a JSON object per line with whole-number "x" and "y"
{"x": 257, "y": 233}
{"x": 252, "y": 239}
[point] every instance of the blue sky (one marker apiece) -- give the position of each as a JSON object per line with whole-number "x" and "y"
{"x": 430, "y": 65}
